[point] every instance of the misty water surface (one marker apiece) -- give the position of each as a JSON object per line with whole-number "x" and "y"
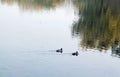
{"x": 32, "y": 30}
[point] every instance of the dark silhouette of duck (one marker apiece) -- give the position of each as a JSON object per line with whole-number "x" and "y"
{"x": 59, "y": 50}
{"x": 75, "y": 53}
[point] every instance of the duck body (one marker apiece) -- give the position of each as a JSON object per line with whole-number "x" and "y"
{"x": 59, "y": 50}
{"x": 75, "y": 53}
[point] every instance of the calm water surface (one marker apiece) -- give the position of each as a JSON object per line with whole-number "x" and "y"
{"x": 31, "y": 31}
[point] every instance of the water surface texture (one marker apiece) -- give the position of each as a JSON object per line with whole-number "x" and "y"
{"x": 32, "y": 30}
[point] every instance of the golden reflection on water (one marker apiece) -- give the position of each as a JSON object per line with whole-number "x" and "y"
{"x": 98, "y": 24}
{"x": 35, "y": 4}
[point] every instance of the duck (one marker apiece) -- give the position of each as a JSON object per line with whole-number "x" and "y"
{"x": 75, "y": 53}
{"x": 59, "y": 50}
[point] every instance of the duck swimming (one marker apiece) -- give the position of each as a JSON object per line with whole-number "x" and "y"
{"x": 59, "y": 50}
{"x": 75, "y": 53}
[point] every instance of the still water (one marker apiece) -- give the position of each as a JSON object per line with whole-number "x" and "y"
{"x": 31, "y": 31}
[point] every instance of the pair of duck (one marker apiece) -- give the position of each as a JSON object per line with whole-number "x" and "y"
{"x": 61, "y": 51}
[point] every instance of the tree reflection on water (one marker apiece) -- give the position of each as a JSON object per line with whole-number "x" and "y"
{"x": 98, "y": 23}
{"x": 35, "y": 4}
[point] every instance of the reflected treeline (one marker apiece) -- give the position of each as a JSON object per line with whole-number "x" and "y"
{"x": 98, "y": 23}
{"x": 35, "y": 4}
{"x": 116, "y": 49}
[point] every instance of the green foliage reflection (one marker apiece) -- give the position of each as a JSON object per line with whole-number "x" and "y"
{"x": 35, "y": 4}
{"x": 98, "y": 24}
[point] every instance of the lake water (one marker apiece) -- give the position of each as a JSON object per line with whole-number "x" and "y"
{"x": 32, "y": 30}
